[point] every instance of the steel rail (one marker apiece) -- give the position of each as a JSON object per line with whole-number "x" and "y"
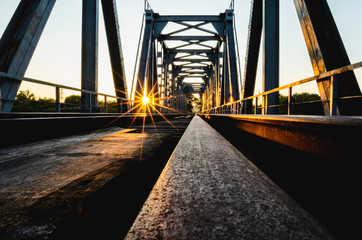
{"x": 324, "y": 75}
{"x": 37, "y": 81}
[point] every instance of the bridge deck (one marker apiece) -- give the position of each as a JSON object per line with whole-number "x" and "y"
{"x": 209, "y": 190}
{"x": 76, "y": 186}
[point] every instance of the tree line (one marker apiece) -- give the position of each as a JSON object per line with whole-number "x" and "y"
{"x": 25, "y": 101}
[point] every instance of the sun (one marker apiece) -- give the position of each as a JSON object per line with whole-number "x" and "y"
{"x": 145, "y": 100}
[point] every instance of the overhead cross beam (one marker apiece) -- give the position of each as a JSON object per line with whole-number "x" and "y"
{"x": 202, "y": 61}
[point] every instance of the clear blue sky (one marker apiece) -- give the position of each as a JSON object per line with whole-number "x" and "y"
{"x": 58, "y": 55}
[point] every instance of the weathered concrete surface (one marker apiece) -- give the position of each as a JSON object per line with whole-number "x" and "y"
{"x": 209, "y": 190}
{"x": 44, "y": 182}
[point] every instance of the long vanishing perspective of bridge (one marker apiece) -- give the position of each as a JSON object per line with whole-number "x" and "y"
{"x": 141, "y": 164}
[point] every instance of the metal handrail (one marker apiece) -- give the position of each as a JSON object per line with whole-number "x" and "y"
{"x": 58, "y": 87}
{"x": 264, "y": 95}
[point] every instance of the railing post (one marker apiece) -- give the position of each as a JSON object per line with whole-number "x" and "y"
{"x": 256, "y": 105}
{"x": 290, "y": 101}
{"x": 57, "y": 99}
{"x": 90, "y": 102}
{"x": 333, "y": 110}
{"x": 105, "y": 104}
{"x": 265, "y": 105}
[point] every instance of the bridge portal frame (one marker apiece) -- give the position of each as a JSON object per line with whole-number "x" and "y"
{"x": 218, "y": 69}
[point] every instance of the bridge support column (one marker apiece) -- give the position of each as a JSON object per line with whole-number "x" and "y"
{"x": 327, "y": 52}
{"x": 252, "y": 54}
{"x": 217, "y": 77}
{"x": 18, "y": 44}
{"x": 230, "y": 74}
{"x": 89, "y": 102}
{"x": 231, "y": 55}
{"x": 143, "y": 70}
{"x": 115, "y": 50}
{"x": 271, "y": 52}
{"x": 155, "y": 83}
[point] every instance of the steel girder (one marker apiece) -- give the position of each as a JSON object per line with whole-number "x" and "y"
{"x": 115, "y": 50}
{"x": 18, "y": 44}
{"x": 90, "y": 31}
{"x": 144, "y": 81}
{"x": 327, "y": 52}
{"x": 252, "y": 53}
{"x": 230, "y": 75}
{"x": 192, "y": 56}
{"x": 89, "y": 102}
{"x": 271, "y": 54}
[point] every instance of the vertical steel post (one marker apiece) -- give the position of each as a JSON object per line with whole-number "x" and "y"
{"x": 225, "y": 78}
{"x": 290, "y": 101}
{"x": 271, "y": 52}
{"x": 154, "y": 78}
{"x": 231, "y": 69}
{"x": 106, "y": 104}
{"x": 165, "y": 80}
{"x": 18, "y": 44}
{"x": 57, "y": 99}
{"x": 333, "y": 96}
{"x": 256, "y": 105}
{"x": 143, "y": 69}
{"x": 115, "y": 49}
{"x": 89, "y": 101}
{"x": 265, "y": 109}
{"x": 252, "y": 53}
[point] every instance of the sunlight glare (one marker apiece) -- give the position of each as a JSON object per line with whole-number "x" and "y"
{"x": 145, "y": 100}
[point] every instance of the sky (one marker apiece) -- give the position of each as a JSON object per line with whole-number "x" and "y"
{"x": 57, "y": 58}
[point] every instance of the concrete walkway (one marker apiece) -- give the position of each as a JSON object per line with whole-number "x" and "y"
{"x": 209, "y": 190}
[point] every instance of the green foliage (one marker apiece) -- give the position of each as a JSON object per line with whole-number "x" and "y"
{"x": 25, "y": 101}
{"x": 303, "y": 104}
{"x": 72, "y": 99}
{"x": 193, "y": 101}
{"x": 25, "y": 96}
{"x": 71, "y": 103}
{"x": 112, "y": 107}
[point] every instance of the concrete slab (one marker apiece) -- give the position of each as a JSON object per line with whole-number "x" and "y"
{"x": 209, "y": 190}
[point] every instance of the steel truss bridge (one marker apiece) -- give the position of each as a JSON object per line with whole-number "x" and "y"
{"x": 200, "y": 56}
{"x": 166, "y": 60}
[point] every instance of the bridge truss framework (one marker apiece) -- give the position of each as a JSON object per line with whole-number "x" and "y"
{"x": 168, "y": 60}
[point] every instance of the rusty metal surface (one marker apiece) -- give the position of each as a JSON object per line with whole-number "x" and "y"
{"x": 315, "y": 159}
{"x": 331, "y": 138}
